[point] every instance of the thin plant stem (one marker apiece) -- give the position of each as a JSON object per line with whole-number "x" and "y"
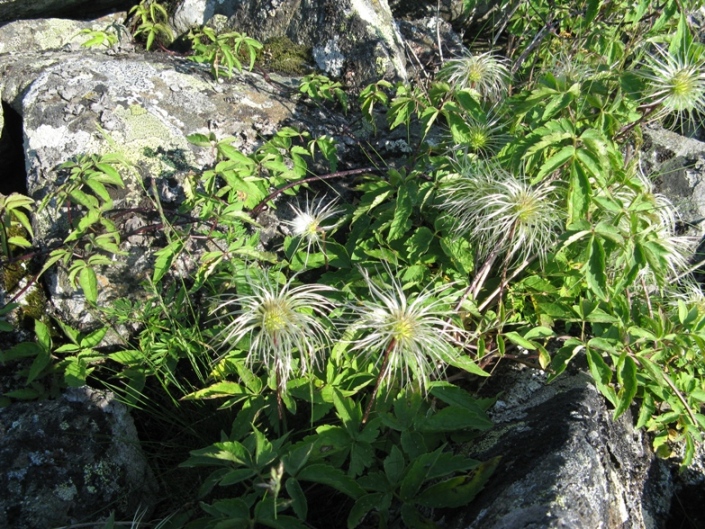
{"x": 516, "y": 272}
{"x": 648, "y": 298}
{"x": 339, "y": 174}
{"x": 385, "y": 362}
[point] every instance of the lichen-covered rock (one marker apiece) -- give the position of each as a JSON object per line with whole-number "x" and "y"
{"x": 354, "y": 39}
{"x": 678, "y": 165}
{"x": 80, "y": 9}
{"x": 70, "y": 460}
{"x": 142, "y": 107}
{"x": 56, "y": 33}
{"x": 565, "y": 462}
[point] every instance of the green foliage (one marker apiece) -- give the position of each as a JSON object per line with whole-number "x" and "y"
{"x": 151, "y": 22}
{"x": 14, "y": 210}
{"x": 520, "y": 228}
{"x": 98, "y": 37}
{"x": 223, "y": 51}
{"x": 93, "y": 237}
{"x": 392, "y": 469}
{"x": 322, "y": 89}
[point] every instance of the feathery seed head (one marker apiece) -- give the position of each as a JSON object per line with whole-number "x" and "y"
{"x": 676, "y": 82}
{"x": 500, "y": 209}
{"x": 416, "y": 331}
{"x": 484, "y": 73}
{"x": 281, "y": 321}
{"x": 313, "y": 222}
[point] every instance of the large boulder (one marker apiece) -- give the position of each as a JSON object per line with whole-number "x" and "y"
{"x": 71, "y": 460}
{"x": 677, "y": 164}
{"x": 142, "y": 107}
{"x": 55, "y": 33}
{"x": 565, "y": 462}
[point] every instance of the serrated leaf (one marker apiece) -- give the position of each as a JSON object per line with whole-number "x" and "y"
{"x": 94, "y": 338}
{"x": 554, "y": 162}
{"x": 165, "y": 257}
{"x": 333, "y": 477}
{"x": 578, "y": 195}
{"x": 43, "y": 335}
{"x": 18, "y": 241}
{"x": 75, "y": 373}
{"x": 627, "y": 378}
{"x": 394, "y": 465}
{"x": 519, "y": 340}
{"x": 89, "y": 283}
{"x": 40, "y": 362}
{"x": 595, "y": 269}
{"x": 402, "y": 211}
{"x": 214, "y": 391}
{"x": 298, "y": 497}
{"x": 364, "y": 505}
{"x": 602, "y": 375}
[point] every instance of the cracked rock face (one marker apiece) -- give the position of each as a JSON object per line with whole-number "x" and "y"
{"x": 354, "y": 39}
{"x": 70, "y": 460}
{"x": 565, "y": 462}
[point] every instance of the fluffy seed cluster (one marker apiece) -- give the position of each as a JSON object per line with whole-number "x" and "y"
{"x": 416, "y": 332}
{"x": 314, "y": 221}
{"x": 484, "y": 73}
{"x": 500, "y": 210}
{"x": 282, "y": 323}
{"x": 676, "y": 81}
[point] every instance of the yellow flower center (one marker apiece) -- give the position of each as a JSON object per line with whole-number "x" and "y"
{"x": 478, "y": 139}
{"x": 274, "y": 317}
{"x": 403, "y": 327}
{"x": 683, "y": 85}
{"x": 475, "y": 72}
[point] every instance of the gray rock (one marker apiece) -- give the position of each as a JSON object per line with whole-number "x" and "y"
{"x": 18, "y": 9}
{"x": 356, "y": 39}
{"x": 139, "y": 105}
{"x": 71, "y": 460}
{"x": 565, "y": 462}
{"x": 677, "y": 164}
{"x": 56, "y": 33}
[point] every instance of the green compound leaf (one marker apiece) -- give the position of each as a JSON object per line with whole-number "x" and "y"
{"x": 460, "y": 490}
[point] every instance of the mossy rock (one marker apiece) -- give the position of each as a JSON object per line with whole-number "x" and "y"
{"x": 280, "y": 54}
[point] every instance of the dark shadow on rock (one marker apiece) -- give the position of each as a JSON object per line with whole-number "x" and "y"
{"x": 13, "y": 175}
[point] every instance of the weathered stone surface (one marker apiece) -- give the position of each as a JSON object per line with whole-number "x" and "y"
{"x": 678, "y": 166}
{"x": 422, "y": 38}
{"x": 55, "y": 33}
{"x": 565, "y": 463}
{"x": 70, "y": 460}
{"x": 18, "y": 9}
{"x": 140, "y": 106}
{"x": 354, "y": 39}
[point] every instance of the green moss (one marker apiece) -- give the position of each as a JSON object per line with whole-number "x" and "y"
{"x": 12, "y": 274}
{"x": 34, "y": 306}
{"x": 280, "y": 54}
